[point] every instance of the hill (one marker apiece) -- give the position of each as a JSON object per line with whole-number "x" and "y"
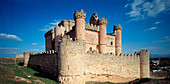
{"x": 11, "y": 73}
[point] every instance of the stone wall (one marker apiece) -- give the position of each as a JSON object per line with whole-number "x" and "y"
{"x": 92, "y": 40}
{"x": 92, "y": 27}
{"x": 75, "y": 64}
{"x": 19, "y": 56}
{"x": 110, "y": 42}
{"x": 46, "y": 61}
{"x": 110, "y": 64}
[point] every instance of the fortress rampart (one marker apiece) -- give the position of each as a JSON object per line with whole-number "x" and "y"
{"x": 45, "y": 61}
{"x": 92, "y": 27}
{"x": 74, "y": 64}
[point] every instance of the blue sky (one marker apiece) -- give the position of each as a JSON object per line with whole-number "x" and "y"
{"x": 145, "y": 23}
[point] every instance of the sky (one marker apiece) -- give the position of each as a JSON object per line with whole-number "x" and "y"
{"x": 145, "y": 23}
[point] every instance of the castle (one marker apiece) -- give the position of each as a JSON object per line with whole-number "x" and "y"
{"x": 93, "y": 33}
{"x": 77, "y": 52}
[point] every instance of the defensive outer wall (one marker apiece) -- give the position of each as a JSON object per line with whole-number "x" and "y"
{"x": 73, "y": 65}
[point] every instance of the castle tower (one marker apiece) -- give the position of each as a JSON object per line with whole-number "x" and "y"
{"x": 102, "y": 34}
{"x": 26, "y": 58}
{"x": 144, "y": 64}
{"x": 118, "y": 45}
{"x": 49, "y": 37}
{"x": 79, "y": 18}
{"x": 94, "y": 19}
{"x": 58, "y": 32}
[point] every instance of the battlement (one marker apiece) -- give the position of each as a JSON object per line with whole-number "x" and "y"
{"x": 66, "y": 38}
{"x": 103, "y": 21}
{"x": 117, "y": 27}
{"x": 43, "y": 53}
{"x": 112, "y": 54}
{"x": 50, "y": 32}
{"x": 112, "y": 34}
{"x": 92, "y": 27}
{"x": 59, "y": 26}
{"x": 80, "y": 14}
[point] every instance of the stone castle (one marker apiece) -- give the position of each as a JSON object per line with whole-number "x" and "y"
{"x": 77, "y": 52}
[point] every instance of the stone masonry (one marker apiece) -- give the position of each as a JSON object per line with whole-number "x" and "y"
{"x": 77, "y": 52}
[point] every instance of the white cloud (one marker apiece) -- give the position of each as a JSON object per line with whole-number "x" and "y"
{"x": 165, "y": 39}
{"x": 126, "y": 5}
{"x": 9, "y": 37}
{"x": 55, "y": 23}
{"x": 141, "y": 9}
{"x": 156, "y": 22}
{"x": 34, "y": 43}
{"x": 13, "y": 52}
{"x": 152, "y": 28}
{"x": 3, "y": 48}
{"x": 44, "y": 29}
{"x": 155, "y": 47}
{"x": 35, "y": 50}
{"x": 50, "y": 25}
{"x": 43, "y": 46}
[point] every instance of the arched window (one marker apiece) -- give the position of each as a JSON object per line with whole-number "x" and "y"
{"x": 90, "y": 49}
{"x": 111, "y": 43}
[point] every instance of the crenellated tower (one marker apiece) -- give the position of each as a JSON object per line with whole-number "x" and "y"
{"x": 118, "y": 45}
{"x": 79, "y": 18}
{"x": 102, "y": 35}
{"x": 94, "y": 19}
{"x": 49, "y": 37}
{"x": 59, "y": 31}
{"x": 144, "y": 64}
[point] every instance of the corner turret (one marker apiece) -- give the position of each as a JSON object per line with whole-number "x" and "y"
{"x": 49, "y": 37}
{"x": 144, "y": 64}
{"x": 102, "y": 35}
{"x": 79, "y": 18}
{"x": 118, "y": 45}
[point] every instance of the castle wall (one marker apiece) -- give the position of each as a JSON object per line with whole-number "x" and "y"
{"x": 46, "y": 61}
{"x": 91, "y": 40}
{"x": 110, "y": 42}
{"x": 93, "y": 66}
{"x": 109, "y": 64}
{"x": 74, "y": 65}
{"x": 19, "y": 56}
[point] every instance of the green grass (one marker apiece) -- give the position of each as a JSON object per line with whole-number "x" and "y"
{"x": 8, "y": 71}
{"x": 32, "y": 72}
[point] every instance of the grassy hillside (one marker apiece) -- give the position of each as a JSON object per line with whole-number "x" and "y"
{"x": 10, "y": 73}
